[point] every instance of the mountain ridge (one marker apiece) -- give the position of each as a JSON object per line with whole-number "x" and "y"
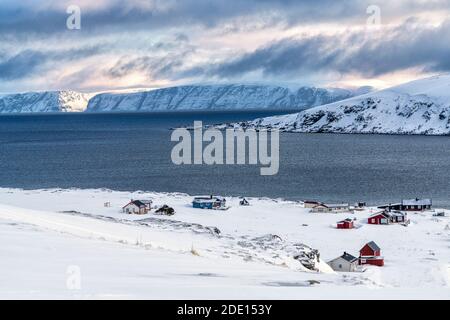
{"x": 179, "y": 98}
{"x": 417, "y": 107}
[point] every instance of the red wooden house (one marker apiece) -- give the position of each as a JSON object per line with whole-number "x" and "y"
{"x": 388, "y": 217}
{"x": 382, "y": 217}
{"x": 345, "y": 224}
{"x": 371, "y": 254}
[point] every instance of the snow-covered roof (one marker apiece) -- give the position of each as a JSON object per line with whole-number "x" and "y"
{"x": 336, "y": 205}
{"x": 390, "y": 205}
{"x": 416, "y": 202}
{"x": 137, "y": 203}
{"x": 383, "y": 213}
{"x": 398, "y": 213}
{"x": 347, "y": 257}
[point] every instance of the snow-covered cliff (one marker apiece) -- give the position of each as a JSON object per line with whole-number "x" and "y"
{"x": 418, "y": 107}
{"x": 49, "y": 101}
{"x": 218, "y": 97}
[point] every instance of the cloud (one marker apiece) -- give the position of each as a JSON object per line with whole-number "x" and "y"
{"x": 25, "y": 18}
{"x": 21, "y": 65}
{"x": 411, "y": 45}
{"x": 153, "y": 67}
{"x": 28, "y": 62}
{"x": 205, "y": 40}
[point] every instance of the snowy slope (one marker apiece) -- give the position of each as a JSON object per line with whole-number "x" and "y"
{"x": 49, "y": 101}
{"x": 151, "y": 256}
{"x": 219, "y": 97}
{"x": 418, "y": 107}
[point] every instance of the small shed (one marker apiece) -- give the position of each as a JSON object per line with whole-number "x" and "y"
{"x": 371, "y": 254}
{"x": 345, "y": 224}
{"x": 136, "y": 207}
{"x": 344, "y": 263}
{"x": 209, "y": 202}
{"x": 399, "y": 217}
{"x": 370, "y": 249}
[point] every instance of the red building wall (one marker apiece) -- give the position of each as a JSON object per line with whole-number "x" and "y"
{"x": 345, "y": 225}
{"x": 367, "y": 251}
{"x": 374, "y": 261}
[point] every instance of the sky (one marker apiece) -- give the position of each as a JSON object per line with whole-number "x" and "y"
{"x": 106, "y": 45}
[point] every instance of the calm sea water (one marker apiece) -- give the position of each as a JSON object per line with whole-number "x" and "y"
{"x": 132, "y": 152}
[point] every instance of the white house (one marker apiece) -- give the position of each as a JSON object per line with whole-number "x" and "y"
{"x": 311, "y": 203}
{"x": 137, "y": 207}
{"x": 334, "y": 208}
{"x": 344, "y": 263}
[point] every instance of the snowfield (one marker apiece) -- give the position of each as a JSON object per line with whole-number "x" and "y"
{"x": 418, "y": 107}
{"x": 240, "y": 253}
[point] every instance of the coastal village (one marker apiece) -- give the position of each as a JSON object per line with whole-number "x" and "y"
{"x": 286, "y": 245}
{"x": 370, "y": 252}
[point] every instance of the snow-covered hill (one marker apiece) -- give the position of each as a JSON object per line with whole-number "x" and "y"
{"x": 418, "y": 107}
{"x": 49, "y": 237}
{"x": 49, "y": 101}
{"x": 219, "y": 97}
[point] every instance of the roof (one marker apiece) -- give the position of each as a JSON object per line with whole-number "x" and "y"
{"x": 346, "y": 220}
{"x": 390, "y": 205}
{"x": 312, "y": 201}
{"x": 372, "y": 245}
{"x": 416, "y": 202}
{"x": 398, "y": 213}
{"x": 348, "y": 257}
{"x": 137, "y": 203}
{"x": 385, "y": 214}
{"x": 336, "y": 205}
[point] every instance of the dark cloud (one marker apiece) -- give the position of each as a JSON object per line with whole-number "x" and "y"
{"x": 26, "y": 19}
{"x": 370, "y": 54}
{"x": 21, "y": 65}
{"x": 28, "y": 62}
{"x": 154, "y": 67}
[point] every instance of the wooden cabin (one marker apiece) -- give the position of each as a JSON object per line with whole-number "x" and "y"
{"x": 137, "y": 207}
{"x": 371, "y": 254}
{"x": 344, "y": 263}
{"x": 209, "y": 202}
{"x": 345, "y": 224}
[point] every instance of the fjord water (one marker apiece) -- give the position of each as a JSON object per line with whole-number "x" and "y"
{"x": 132, "y": 152}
